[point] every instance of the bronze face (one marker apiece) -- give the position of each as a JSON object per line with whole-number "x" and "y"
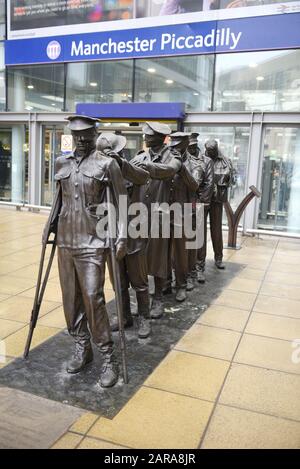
{"x": 211, "y": 149}
{"x": 182, "y": 146}
{"x": 154, "y": 141}
{"x": 193, "y": 149}
{"x": 84, "y": 140}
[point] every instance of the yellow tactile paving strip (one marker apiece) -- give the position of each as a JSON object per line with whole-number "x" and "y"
{"x": 230, "y": 382}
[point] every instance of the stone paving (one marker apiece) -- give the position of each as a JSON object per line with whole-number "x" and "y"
{"x": 232, "y": 381}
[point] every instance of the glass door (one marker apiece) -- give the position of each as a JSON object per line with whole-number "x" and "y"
{"x": 14, "y": 163}
{"x": 51, "y": 149}
{"x": 233, "y": 142}
{"x": 280, "y": 202}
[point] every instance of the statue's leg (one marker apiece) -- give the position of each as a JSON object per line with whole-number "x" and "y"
{"x": 180, "y": 266}
{"x": 216, "y": 212}
{"x": 201, "y": 253}
{"x": 137, "y": 271}
{"x": 128, "y": 319}
{"x": 90, "y": 268}
{"x": 74, "y": 310}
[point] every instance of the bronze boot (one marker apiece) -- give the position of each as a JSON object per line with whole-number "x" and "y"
{"x": 83, "y": 354}
{"x": 157, "y": 306}
{"x": 181, "y": 294}
{"x": 144, "y": 320}
{"x": 128, "y": 319}
{"x": 109, "y": 373}
{"x": 189, "y": 283}
{"x": 219, "y": 264}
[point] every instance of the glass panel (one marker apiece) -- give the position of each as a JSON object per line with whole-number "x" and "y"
{"x": 101, "y": 82}
{"x": 179, "y": 79}
{"x": 258, "y": 81}
{"x": 280, "y": 201}
{"x": 233, "y": 143}
{"x": 173, "y": 7}
{"x": 36, "y": 88}
{"x": 133, "y": 145}
{"x": 30, "y": 14}
{"x": 14, "y": 164}
{"x": 2, "y": 78}
{"x": 2, "y": 19}
{"x": 51, "y": 149}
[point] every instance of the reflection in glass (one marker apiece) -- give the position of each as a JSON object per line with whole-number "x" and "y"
{"x": 258, "y": 81}
{"x": 99, "y": 82}
{"x": 280, "y": 201}
{"x": 31, "y": 14}
{"x": 233, "y": 143}
{"x": 179, "y": 79}
{"x": 147, "y": 8}
{"x": 36, "y": 88}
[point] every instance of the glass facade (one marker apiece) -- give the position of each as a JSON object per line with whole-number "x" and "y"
{"x": 14, "y": 146}
{"x": 258, "y": 81}
{"x": 280, "y": 201}
{"x": 36, "y": 88}
{"x": 251, "y": 81}
{"x": 233, "y": 143}
{"x": 105, "y": 82}
{"x": 183, "y": 79}
{"x": 51, "y": 149}
{"x": 267, "y": 81}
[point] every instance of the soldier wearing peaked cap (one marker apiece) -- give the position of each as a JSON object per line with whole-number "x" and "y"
{"x": 162, "y": 163}
{"x": 223, "y": 174}
{"x": 81, "y": 253}
{"x": 186, "y": 183}
{"x": 133, "y": 268}
{"x": 204, "y": 196}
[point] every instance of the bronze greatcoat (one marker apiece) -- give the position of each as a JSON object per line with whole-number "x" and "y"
{"x": 223, "y": 172}
{"x": 81, "y": 252}
{"x": 164, "y": 165}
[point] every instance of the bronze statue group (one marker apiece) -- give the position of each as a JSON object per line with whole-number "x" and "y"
{"x": 171, "y": 169}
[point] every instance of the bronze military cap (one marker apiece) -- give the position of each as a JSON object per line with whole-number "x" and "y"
{"x": 151, "y": 128}
{"x": 194, "y": 138}
{"x": 78, "y": 122}
{"x": 177, "y": 137}
{"x": 110, "y": 140}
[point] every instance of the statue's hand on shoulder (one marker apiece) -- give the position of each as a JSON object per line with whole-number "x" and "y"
{"x": 143, "y": 164}
{"x": 121, "y": 249}
{"x": 110, "y": 153}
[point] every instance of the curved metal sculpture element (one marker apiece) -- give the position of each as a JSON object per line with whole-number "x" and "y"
{"x": 234, "y": 217}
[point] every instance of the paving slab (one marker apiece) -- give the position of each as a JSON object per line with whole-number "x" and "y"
{"x": 31, "y": 422}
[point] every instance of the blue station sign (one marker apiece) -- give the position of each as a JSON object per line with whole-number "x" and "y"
{"x": 207, "y": 37}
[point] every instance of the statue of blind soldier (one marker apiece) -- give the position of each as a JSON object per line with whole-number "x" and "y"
{"x": 204, "y": 195}
{"x": 133, "y": 268}
{"x": 223, "y": 173}
{"x": 162, "y": 163}
{"x": 186, "y": 183}
{"x": 81, "y": 252}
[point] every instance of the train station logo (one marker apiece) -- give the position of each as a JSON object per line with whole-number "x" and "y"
{"x": 53, "y": 50}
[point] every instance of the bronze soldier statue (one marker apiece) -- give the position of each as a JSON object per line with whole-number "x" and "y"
{"x": 186, "y": 183}
{"x": 81, "y": 252}
{"x": 204, "y": 196}
{"x": 133, "y": 268}
{"x": 162, "y": 163}
{"x": 223, "y": 172}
